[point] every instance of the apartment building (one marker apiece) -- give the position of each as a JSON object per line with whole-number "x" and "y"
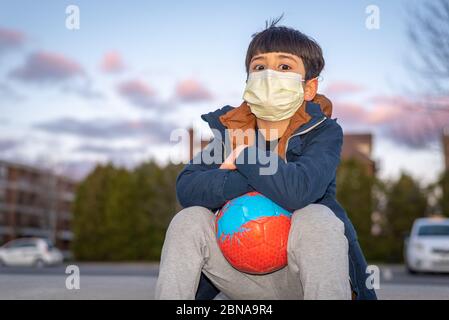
{"x": 35, "y": 203}
{"x": 359, "y": 147}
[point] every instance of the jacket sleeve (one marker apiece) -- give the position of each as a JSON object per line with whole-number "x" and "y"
{"x": 201, "y": 184}
{"x": 295, "y": 185}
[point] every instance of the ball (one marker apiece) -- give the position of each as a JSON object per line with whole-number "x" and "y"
{"x": 252, "y": 233}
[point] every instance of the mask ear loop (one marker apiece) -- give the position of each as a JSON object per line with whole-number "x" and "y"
{"x": 318, "y": 78}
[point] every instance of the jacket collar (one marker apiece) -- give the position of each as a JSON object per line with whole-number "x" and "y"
{"x": 309, "y": 114}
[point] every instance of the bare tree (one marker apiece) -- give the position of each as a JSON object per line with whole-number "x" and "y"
{"x": 428, "y": 29}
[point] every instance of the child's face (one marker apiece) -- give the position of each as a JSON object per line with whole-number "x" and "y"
{"x": 278, "y": 61}
{"x": 284, "y": 62}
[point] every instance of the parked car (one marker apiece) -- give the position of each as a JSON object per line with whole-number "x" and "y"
{"x": 29, "y": 252}
{"x": 427, "y": 248}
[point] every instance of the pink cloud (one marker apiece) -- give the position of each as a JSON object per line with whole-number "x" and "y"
{"x": 112, "y": 62}
{"x": 418, "y": 122}
{"x": 412, "y": 123}
{"x": 47, "y": 67}
{"x": 10, "y": 39}
{"x": 350, "y": 113}
{"x": 343, "y": 87}
{"x": 383, "y": 114}
{"x": 138, "y": 93}
{"x": 192, "y": 91}
{"x": 420, "y": 128}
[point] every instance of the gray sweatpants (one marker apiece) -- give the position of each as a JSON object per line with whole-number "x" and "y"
{"x": 317, "y": 260}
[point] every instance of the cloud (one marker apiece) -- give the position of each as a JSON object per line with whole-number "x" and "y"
{"x": 123, "y": 156}
{"x": 47, "y": 67}
{"x": 10, "y": 39}
{"x": 107, "y": 150}
{"x": 192, "y": 91}
{"x": 416, "y": 123}
{"x": 356, "y": 114}
{"x": 420, "y": 129}
{"x": 75, "y": 169}
{"x": 84, "y": 90}
{"x": 106, "y": 129}
{"x": 407, "y": 122}
{"x": 8, "y": 144}
{"x": 350, "y": 113}
{"x": 112, "y": 62}
{"x": 343, "y": 87}
{"x": 142, "y": 95}
{"x": 139, "y": 94}
{"x": 7, "y": 92}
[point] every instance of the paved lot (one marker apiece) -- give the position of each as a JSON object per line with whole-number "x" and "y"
{"x": 137, "y": 281}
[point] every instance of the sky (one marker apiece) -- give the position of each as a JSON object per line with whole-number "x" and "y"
{"x": 134, "y": 71}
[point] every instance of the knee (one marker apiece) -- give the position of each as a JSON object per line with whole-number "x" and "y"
{"x": 317, "y": 220}
{"x": 190, "y": 220}
{"x": 316, "y": 238}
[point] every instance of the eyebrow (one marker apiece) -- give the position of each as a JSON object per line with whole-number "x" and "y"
{"x": 259, "y": 57}
{"x": 287, "y": 57}
{"x": 282, "y": 56}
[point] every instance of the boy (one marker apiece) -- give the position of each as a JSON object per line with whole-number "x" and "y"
{"x": 282, "y": 109}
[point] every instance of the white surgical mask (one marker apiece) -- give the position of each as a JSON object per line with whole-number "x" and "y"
{"x": 274, "y": 95}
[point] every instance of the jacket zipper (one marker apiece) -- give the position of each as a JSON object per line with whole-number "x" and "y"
{"x": 288, "y": 140}
{"x": 300, "y": 133}
{"x": 224, "y": 151}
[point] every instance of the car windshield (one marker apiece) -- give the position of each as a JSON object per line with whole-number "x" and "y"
{"x": 434, "y": 230}
{"x": 20, "y": 244}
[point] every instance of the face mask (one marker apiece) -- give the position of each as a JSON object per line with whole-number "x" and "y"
{"x": 274, "y": 95}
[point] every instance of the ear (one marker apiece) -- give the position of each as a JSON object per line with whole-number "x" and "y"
{"x": 310, "y": 89}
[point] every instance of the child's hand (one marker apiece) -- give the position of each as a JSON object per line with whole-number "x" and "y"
{"x": 229, "y": 163}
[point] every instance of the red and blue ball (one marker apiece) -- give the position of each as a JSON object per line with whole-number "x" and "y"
{"x": 252, "y": 233}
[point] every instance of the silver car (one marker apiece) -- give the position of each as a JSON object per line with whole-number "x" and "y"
{"x": 30, "y": 252}
{"x": 427, "y": 249}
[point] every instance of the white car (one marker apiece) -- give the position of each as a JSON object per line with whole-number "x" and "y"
{"x": 29, "y": 252}
{"x": 427, "y": 248}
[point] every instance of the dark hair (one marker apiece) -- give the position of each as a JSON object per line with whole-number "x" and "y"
{"x": 283, "y": 39}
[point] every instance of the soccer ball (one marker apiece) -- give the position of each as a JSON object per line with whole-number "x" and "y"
{"x": 252, "y": 233}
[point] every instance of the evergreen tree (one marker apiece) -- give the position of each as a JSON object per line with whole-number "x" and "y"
{"x": 406, "y": 202}
{"x": 123, "y": 215}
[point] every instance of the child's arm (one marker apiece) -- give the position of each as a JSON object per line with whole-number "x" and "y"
{"x": 297, "y": 184}
{"x": 209, "y": 186}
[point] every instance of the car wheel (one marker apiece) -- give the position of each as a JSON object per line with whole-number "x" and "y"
{"x": 411, "y": 270}
{"x": 39, "y": 263}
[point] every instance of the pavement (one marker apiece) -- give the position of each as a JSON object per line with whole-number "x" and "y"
{"x": 138, "y": 280}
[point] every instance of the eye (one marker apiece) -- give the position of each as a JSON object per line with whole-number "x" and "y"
{"x": 258, "y": 67}
{"x": 284, "y": 67}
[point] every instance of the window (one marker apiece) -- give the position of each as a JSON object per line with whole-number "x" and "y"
{"x": 20, "y": 244}
{"x": 434, "y": 230}
{"x": 3, "y": 171}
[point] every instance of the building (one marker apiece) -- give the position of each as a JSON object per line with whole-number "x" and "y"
{"x": 195, "y": 145}
{"x": 359, "y": 147}
{"x": 35, "y": 203}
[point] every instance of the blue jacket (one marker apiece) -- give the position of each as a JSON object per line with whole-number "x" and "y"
{"x": 305, "y": 175}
